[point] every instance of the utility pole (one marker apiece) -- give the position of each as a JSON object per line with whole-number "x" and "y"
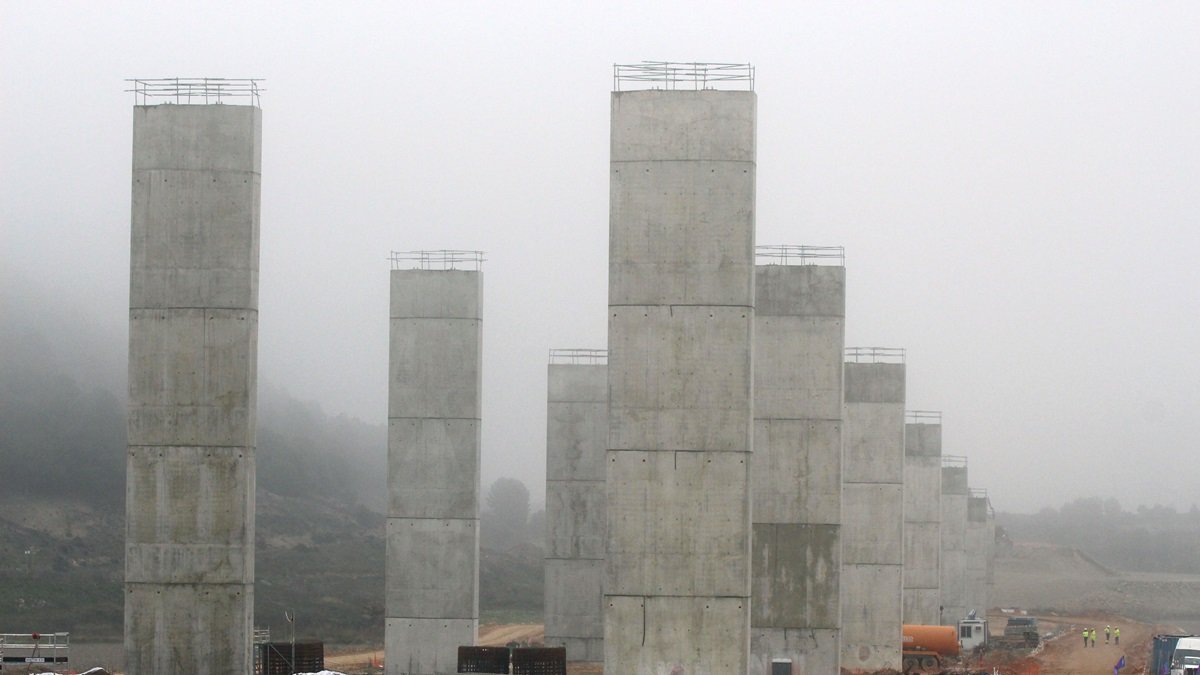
{"x": 291, "y": 619}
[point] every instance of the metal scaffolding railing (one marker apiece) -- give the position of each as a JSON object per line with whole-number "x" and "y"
{"x": 982, "y": 493}
{"x": 24, "y": 649}
{"x": 875, "y": 354}
{"x": 923, "y": 416}
{"x": 260, "y": 636}
{"x": 673, "y": 75}
{"x": 578, "y": 356}
{"x": 954, "y": 462}
{"x": 791, "y": 254}
{"x": 194, "y": 90}
{"x": 444, "y": 259}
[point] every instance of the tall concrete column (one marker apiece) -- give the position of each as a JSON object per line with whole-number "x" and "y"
{"x": 432, "y": 580}
{"x": 799, "y": 335}
{"x": 576, "y": 440}
{"x": 978, "y": 550}
{"x": 873, "y": 509}
{"x": 193, "y": 341}
{"x": 922, "y": 517}
{"x": 681, "y": 315}
{"x": 990, "y": 564}
{"x": 954, "y": 540}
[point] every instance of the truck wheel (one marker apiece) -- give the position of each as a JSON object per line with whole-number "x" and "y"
{"x": 910, "y": 664}
{"x": 929, "y": 663}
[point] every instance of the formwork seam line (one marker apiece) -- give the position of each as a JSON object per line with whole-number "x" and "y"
{"x": 802, "y": 316}
{"x": 802, "y": 419}
{"x": 682, "y": 160}
{"x": 677, "y": 451}
{"x": 660, "y": 595}
{"x": 215, "y": 309}
{"x": 189, "y": 583}
{"x": 185, "y": 446}
{"x": 439, "y": 318}
{"x": 243, "y": 172}
{"x": 455, "y": 418}
{"x": 677, "y": 304}
{"x": 475, "y": 520}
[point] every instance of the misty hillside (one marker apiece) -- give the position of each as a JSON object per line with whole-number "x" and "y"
{"x": 62, "y": 418}
{"x": 1155, "y": 539}
{"x": 320, "y": 501}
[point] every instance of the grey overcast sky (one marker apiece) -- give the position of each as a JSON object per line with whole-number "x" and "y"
{"x": 1015, "y": 184}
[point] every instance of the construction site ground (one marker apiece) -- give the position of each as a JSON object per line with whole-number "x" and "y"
{"x": 1063, "y": 654}
{"x": 1064, "y": 588}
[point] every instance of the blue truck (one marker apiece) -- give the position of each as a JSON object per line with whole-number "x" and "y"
{"x": 1169, "y": 657}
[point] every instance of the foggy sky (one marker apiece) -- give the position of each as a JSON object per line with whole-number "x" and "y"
{"x": 1015, "y": 185}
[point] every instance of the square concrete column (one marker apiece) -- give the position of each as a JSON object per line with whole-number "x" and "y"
{"x": 576, "y": 440}
{"x": 922, "y": 517}
{"x": 799, "y": 337}
{"x": 990, "y": 573}
{"x": 193, "y": 341}
{"x": 681, "y": 315}
{"x": 955, "y": 603}
{"x": 978, "y": 550}
{"x": 434, "y": 404}
{"x": 873, "y": 509}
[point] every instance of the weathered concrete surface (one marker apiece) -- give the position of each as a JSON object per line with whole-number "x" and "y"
{"x": 668, "y": 391}
{"x": 431, "y": 563}
{"x": 426, "y": 645}
{"x": 978, "y": 551}
{"x": 575, "y": 607}
{"x": 795, "y": 577}
{"x": 445, "y": 488}
{"x": 432, "y": 578}
{"x": 816, "y": 649}
{"x": 681, "y": 313}
{"x": 680, "y": 521}
{"x": 795, "y": 478}
{"x": 922, "y": 522}
{"x": 872, "y": 530}
{"x": 871, "y": 608}
{"x": 954, "y": 543}
{"x": 576, "y": 439}
{"x": 990, "y": 572}
{"x": 872, "y": 516}
{"x": 193, "y": 336}
{"x": 799, "y": 330}
{"x": 673, "y": 632}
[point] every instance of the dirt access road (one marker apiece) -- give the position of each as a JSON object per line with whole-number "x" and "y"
{"x": 1066, "y": 655}
{"x": 1062, "y": 655}
{"x": 489, "y": 635}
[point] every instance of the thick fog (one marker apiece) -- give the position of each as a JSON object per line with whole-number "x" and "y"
{"x": 1015, "y": 185}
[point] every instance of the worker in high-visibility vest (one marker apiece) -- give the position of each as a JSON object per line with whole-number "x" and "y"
{"x": 1085, "y": 637}
{"x": 1117, "y": 634}
{"x": 1093, "y": 637}
{"x": 1107, "y": 633}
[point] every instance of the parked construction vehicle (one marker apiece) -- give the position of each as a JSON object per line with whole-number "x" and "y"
{"x": 925, "y": 647}
{"x": 1022, "y": 631}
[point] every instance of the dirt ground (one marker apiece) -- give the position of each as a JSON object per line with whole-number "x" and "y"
{"x": 1065, "y": 653}
{"x": 1064, "y": 588}
{"x": 492, "y": 635}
